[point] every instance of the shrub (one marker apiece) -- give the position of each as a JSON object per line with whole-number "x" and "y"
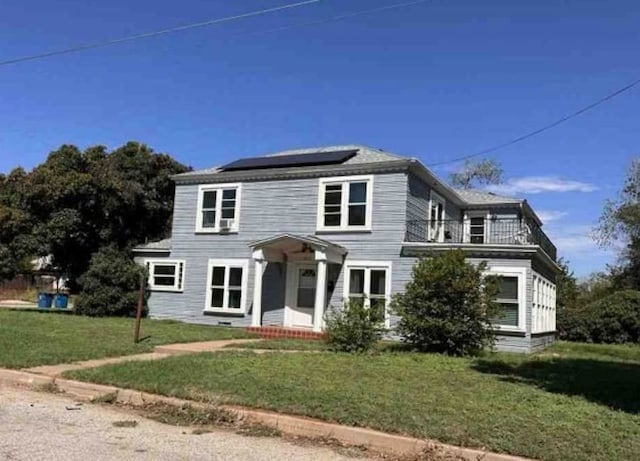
{"x": 447, "y": 306}
{"x": 572, "y": 325}
{"x": 110, "y": 285}
{"x": 613, "y": 319}
{"x": 354, "y": 327}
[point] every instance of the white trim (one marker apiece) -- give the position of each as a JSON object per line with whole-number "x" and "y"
{"x": 344, "y": 226}
{"x": 291, "y": 288}
{"x": 466, "y": 221}
{"x": 178, "y": 264}
{"x": 367, "y": 266}
{"x": 521, "y": 273}
{"x": 289, "y": 296}
{"x": 227, "y": 263}
{"x": 543, "y": 308}
{"x": 321, "y": 296}
{"x": 435, "y": 198}
{"x": 219, "y": 188}
{"x": 256, "y": 312}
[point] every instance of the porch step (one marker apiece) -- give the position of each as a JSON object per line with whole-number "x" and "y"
{"x": 285, "y": 333}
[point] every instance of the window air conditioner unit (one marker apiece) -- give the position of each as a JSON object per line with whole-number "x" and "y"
{"x": 226, "y": 224}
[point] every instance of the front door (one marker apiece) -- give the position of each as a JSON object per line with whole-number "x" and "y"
{"x": 301, "y": 314}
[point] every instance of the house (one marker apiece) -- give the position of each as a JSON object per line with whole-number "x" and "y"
{"x": 274, "y": 241}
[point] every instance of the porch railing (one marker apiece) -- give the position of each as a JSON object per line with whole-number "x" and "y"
{"x": 505, "y": 231}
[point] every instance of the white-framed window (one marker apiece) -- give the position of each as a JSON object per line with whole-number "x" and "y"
{"x": 544, "y": 305}
{"x": 218, "y": 208}
{"x": 227, "y": 285}
{"x": 345, "y": 203}
{"x": 476, "y": 227}
{"x": 165, "y": 274}
{"x": 368, "y": 282}
{"x": 437, "y": 213}
{"x": 512, "y": 297}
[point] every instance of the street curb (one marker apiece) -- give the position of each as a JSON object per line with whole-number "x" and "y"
{"x": 289, "y": 425}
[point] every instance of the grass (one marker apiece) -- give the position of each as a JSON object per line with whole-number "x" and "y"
{"x": 572, "y": 403}
{"x": 305, "y": 345}
{"x": 29, "y": 339}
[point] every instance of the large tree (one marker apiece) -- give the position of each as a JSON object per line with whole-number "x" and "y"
{"x": 567, "y": 291}
{"x": 620, "y": 224}
{"x": 77, "y": 202}
{"x": 477, "y": 173}
{"x": 16, "y": 223}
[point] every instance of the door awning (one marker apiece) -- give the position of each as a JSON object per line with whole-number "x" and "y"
{"x": 292, "y": 243}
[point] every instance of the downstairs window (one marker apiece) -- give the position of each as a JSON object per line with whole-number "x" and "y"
{"x": 165, "y": 275}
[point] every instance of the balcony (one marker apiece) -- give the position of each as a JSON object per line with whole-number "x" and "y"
{"x": 481, "y": 231}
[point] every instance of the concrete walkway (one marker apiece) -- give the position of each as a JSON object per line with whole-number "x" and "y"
{"x": 206, "y": 346}
{"x": 160, "y": 352}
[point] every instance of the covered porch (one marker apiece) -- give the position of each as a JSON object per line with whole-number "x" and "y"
{"x": 312, "y": 266}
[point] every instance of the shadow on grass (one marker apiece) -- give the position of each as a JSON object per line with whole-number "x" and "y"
{"x": 610, "y": 383}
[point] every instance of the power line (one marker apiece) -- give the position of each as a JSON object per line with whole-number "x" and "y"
{"x": 338, "y": 17}
{"x": 544, "y": 128}
{"x": 158, "y": 32}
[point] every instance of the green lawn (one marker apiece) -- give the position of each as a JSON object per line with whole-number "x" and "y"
{"x": 28, "y": 339}
{"x": 574, "y": 402}
{"x": 304, "y": 345}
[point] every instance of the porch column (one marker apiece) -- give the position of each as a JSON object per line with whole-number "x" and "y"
{"x": 321, "y": 291}
{"x": 256, "y": 312}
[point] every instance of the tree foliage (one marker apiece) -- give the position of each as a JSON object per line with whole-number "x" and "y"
{"x": 448, "y": 306}
{"x": 354, "y": 327}
{"x": 110, "y": 285}
{"x": 620, "y": 223}
{"x": 77, "y": 202}
{"x": 567, "y": 290}
{"x": 611, "y": 319}
{"x": 473, "y": 174}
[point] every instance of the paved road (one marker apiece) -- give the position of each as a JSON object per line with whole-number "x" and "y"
{"x": 38, "y": 426}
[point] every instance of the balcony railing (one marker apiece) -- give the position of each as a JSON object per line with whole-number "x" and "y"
{"x": 500, "y": 231}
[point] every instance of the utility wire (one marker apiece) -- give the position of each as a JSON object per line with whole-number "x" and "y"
{"x": 566, "y": 118}
{"x": 339, "y": 17}
{"x": 130, "y": 38}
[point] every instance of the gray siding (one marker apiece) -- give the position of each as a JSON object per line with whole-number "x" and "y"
{"x": 418, "y": 193}
{"x": 269, "y": 208}
{"x": 272, "y": 207}
{"x": 540, "y": 341}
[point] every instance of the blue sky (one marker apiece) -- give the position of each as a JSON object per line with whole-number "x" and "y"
{"x": 435, "y": 81}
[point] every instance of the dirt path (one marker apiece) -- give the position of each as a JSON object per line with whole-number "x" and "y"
{"x": 46, "y": 426}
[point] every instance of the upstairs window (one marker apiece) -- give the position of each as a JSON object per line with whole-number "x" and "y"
{"x": 218, "y": 208}
{"x": 437, "y": 215}
{"x": 345, "y": 203}
{"x": 165, "y": 275}
{"x": 476, "y": 229}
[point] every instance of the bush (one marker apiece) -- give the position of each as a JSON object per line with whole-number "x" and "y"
{"x": 110, "y": 285}
{"x": 447, "y": 306}
{"x": 614, "y": 319}
{"x": 354, "y": 327}
{"x": 572, "y": 325}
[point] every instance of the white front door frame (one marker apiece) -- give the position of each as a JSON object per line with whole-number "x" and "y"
{"x": 291, "y": 295}
{"x": 320, "y": 266}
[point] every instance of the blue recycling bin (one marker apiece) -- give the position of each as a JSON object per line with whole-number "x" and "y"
{"x": 45, "y": 300}
{"x": 61, "y": 301}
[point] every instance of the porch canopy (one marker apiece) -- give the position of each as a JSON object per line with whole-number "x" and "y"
{"x": 289, "y": 248}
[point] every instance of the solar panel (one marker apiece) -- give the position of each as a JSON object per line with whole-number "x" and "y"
{"x": 283, "y": 161}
